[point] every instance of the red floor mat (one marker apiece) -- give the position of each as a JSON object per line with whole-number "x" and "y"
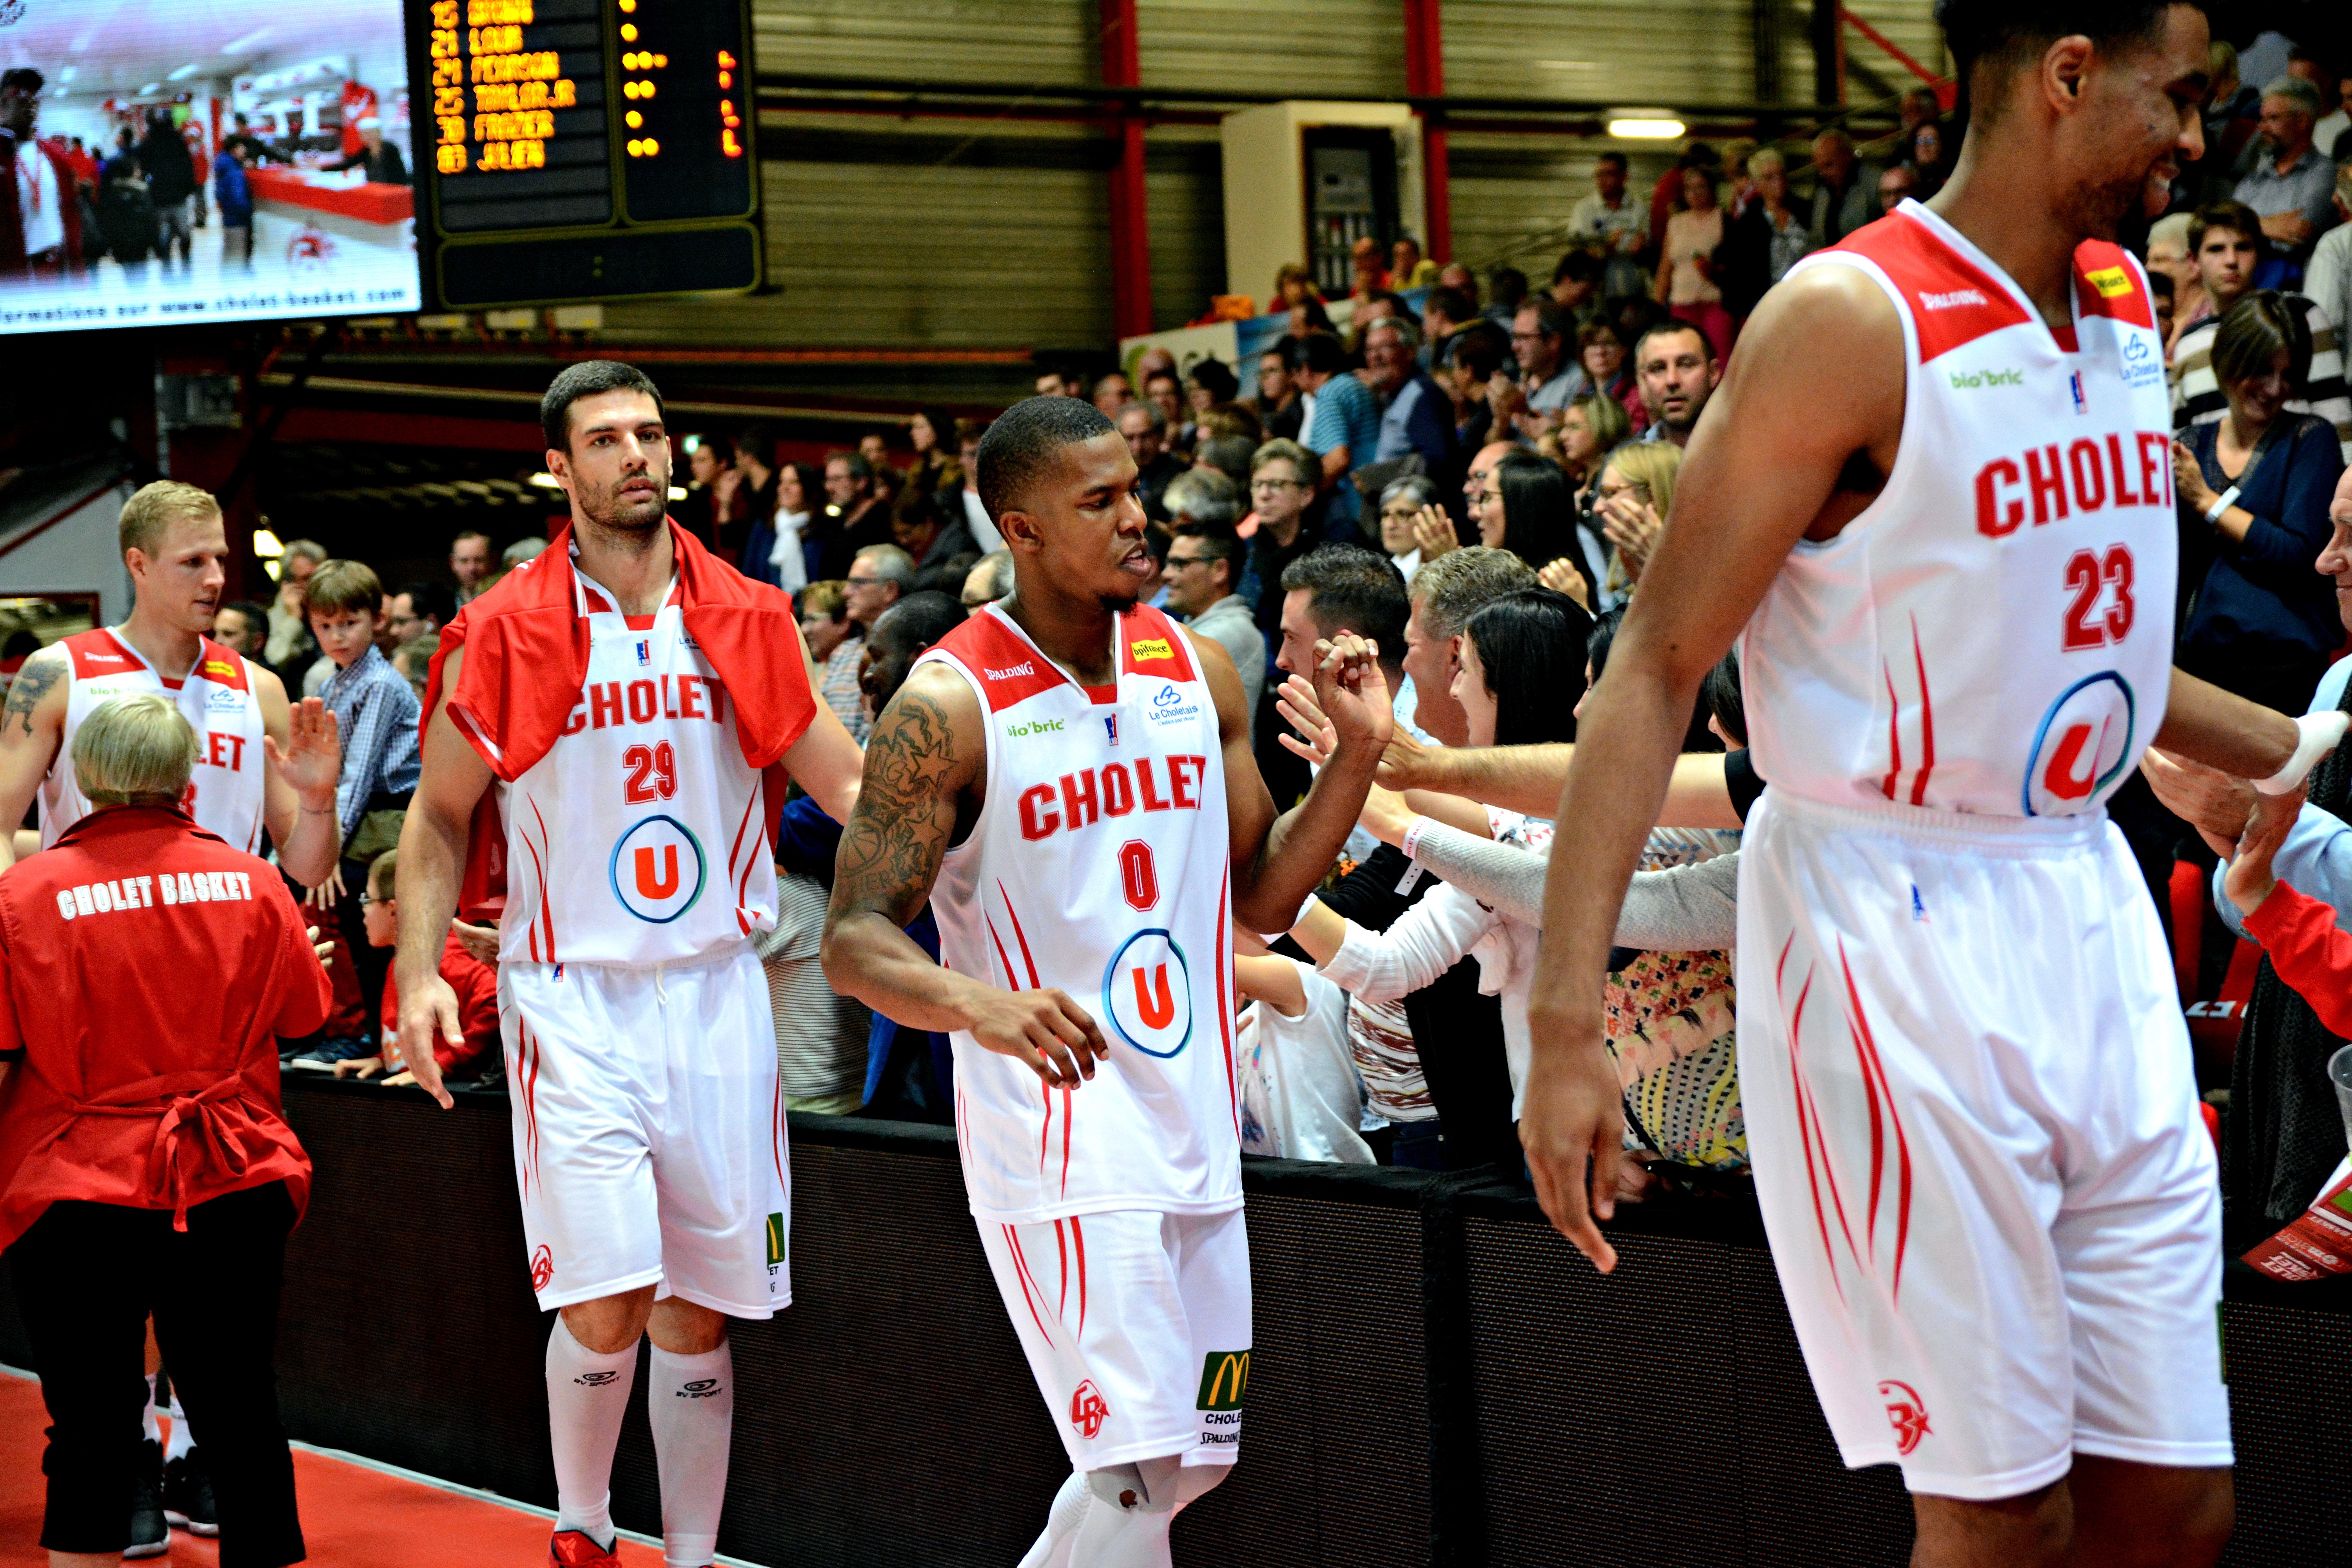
{"x": 352, "y": 1517}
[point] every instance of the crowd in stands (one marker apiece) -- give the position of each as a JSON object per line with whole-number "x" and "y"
{"x": 1474, "y": 474}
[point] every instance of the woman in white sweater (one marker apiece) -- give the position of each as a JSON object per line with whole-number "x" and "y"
{"x": 1521, "y": 652}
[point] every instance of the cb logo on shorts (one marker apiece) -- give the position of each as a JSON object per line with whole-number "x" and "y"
{"x": 1088, "y": 1410}
{"x": 657, "y": 869}
{"x": 2083, "y": 745}
{"x": 1907, "y": 1413}
{"x": 1147, "y": 994}
{"x": 543, "y": 1269}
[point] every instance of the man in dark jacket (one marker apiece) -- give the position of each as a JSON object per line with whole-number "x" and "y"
{"x": 172, "y": 187}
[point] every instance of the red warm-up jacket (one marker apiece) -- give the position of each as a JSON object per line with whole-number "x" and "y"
{"x": 146, "y": 970}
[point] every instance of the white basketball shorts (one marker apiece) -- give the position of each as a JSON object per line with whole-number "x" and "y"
{"x": 1136, "y": 1326}
{"x": 1992, "y": 1202}
{"x": 649, "y": 1131}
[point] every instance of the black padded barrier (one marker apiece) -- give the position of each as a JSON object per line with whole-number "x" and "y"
{"x": 1436, "y": 1377}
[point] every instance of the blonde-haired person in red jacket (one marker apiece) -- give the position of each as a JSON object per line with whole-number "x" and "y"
{"x": 146, "y": 968}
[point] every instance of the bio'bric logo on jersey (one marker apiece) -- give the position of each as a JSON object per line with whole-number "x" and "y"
{"x": 657, "y": 869}
{"x": 2081, "y": 746}
{"x": 1147, "y": 994}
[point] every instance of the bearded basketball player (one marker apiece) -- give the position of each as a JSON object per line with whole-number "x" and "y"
{"x": 622, "y": 714}
{"x": 1067, "y": 778}
{"x": 1932, "y": 498}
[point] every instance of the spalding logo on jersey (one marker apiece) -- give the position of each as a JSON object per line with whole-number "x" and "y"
{"x": 1147, "y": 994}
{"x": 2082, "y": 746}
{"x": 658, "y": 870}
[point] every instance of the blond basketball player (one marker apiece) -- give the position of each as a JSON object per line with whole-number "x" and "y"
{"x": 1933, "y": 490}
{"x": 1067, "y": 778}
{"x": 261, "y": 762}
{"x": 627, "y": 708}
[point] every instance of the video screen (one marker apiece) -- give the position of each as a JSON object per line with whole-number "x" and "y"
{"x": 204, "y": 159}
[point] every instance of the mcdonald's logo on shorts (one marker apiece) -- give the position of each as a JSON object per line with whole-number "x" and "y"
{"x": 775, "y": 1239}
{"x": 1224, "y": 1380}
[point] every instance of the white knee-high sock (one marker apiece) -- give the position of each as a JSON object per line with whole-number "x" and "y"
{"x": 587, "y": 1394}
{"x": 183, "y": 1439}
{"x": 1127, "y": 1516}
{"x": 692, "y": 1405}
{"x": 153, "y": 1428}
{"x": 1051, "y": 1548}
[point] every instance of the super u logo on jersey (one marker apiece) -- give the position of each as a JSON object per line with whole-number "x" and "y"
{"x": 2083, "y": 744}
{"x": 1147, "y": 994}
{"x": 658, "y": 870}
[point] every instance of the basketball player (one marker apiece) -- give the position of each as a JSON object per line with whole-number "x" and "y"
{"x": 624, "y": 708}
{"x": 1067, "y": 777}
{"x": 1933, "y": 491}
{"x": 263, "y": 762}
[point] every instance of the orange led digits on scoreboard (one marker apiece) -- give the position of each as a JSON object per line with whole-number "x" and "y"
{"x": 516, "y": 90}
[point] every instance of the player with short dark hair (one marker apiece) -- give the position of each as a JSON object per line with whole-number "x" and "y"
{"x": 641, "y": 704}
{"x": 1067, "y": 778}
{"x": 1992, "y": 1203}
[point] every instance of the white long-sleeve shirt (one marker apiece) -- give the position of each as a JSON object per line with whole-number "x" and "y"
{"x": 1431, "y": 937}
{"x": 1682, "y": 908}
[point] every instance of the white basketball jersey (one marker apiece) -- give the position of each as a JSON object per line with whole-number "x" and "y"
{"x": 1993, "y": 634}
{"x": 230, "y": 785}
{"x": 642, "y": 837}
{"x": 1100, "y": 864}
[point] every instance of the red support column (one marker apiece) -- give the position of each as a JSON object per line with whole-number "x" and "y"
{"x": 1131, "y": 234}
{"x": 1424, "y": 77}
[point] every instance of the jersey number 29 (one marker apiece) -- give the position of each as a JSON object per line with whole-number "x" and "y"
{"x": 2093, "y": 578}
{"x": 653, "y": 773}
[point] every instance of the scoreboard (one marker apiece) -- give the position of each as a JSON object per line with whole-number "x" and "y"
{"x": 581, "y": 150}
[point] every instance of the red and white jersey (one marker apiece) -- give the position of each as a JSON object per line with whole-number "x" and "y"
{"x": 1992, "y": 633}
{"x": 229, "y": 787}
{"x": 641, "y": 838}
{"x": 1100, "y": 864}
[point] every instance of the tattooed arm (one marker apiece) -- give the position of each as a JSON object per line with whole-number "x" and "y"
{"x": 30, "y": 729}
{"x": 925, "y": 769}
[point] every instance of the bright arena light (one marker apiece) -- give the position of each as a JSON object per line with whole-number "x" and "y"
{"x": 1647, "y": 128}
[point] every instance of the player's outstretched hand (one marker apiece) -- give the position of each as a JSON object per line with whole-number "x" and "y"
{"x": 2250, "y": 879}
{"x": 312, "y": 758}
{"x": 428, "y": 1015}
{"x": 1572, "y": 1128}
{"x": 1354, "y": 696}
{"x": 1058, "y": 1038}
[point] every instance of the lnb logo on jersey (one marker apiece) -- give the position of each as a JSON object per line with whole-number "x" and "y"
{"x": 1147, "y": 994}
{"x": 657, "y": 869}
{"x": 2083, "y": 745}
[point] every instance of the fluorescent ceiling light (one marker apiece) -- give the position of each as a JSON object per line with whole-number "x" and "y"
{"x": 267, "y": 544}
{"x": 1566, "y": 65}
{"x": 184, "y": 73}
{"x": 150, "y": 87}
{"x": 1645, "y": 128}
{"x": 239, "y": 46}
{"x": 677, "y": 492}
{"x": 544, "y": 482}
{"x": 67, "y": 73}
